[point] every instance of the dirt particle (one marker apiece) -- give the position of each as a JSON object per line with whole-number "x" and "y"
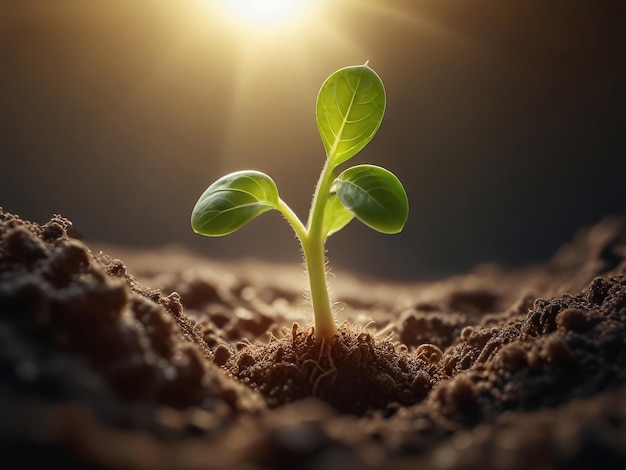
{"x": 428, "y": 353}
{"x": 464, "y": 394}
{"x": 533, "y": 358}
{"x": 421, "y": 383}
{"x": 598, "y": 291}
{"x": 116, "y": 268}
{"x": 478, "y": 337}
{"x": 244, "y": 361}
{"x": 557, "y": 351}
{"x": 172, "y": 304}
{"x": 457, "y": 398}
{"x": 573, "y": 319}
{"x": 52, "y": 231}
{"x": 21, "y": 246}
{"x": 466, "y": 333}
{"x": 68, "y": 260}
{"x": 221, "y": 355}
{"x": 513, "y": 357}
{"x": 211, "y": 339}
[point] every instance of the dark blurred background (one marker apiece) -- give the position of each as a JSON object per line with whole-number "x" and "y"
{"x": 506, "y": 121}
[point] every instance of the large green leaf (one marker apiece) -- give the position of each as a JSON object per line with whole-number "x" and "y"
{"x": 336, "y": 216}
{"x": 350, "y": 107}
{"x": 233, "y": 201}
{"x": 375, "y": 196}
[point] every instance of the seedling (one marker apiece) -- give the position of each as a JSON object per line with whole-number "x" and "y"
{"x": 350, "y": 107}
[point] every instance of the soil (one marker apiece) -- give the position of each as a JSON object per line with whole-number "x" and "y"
{"x": 164, "y": 359}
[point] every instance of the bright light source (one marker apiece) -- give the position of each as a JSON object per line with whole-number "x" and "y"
{"x": 267, "y": 13}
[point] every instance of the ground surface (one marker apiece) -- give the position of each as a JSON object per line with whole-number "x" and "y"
{"x": 162, "y": 359}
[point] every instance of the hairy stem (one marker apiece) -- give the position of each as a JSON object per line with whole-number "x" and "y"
{"x": 312, "y": 238}
{"x": 320, "y": 300}
{"x": 293, "y": 220}
{"x": 315, "y": 257}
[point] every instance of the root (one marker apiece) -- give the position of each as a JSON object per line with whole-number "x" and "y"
{"x": 331, "y": 371}
{"x": 319, "y": 379}
{"x": 384, "y": 330}
{"x": 317, "y": 365}
{"x": 322, "y": 344}
{"x": 317, "y": 362}
{"x": 331, "y": 362}
{"x": 272, "y": 338}
{"x": 368, "y": 324}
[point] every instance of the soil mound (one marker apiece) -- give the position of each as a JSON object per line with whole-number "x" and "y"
{"x": 168, "y": 360}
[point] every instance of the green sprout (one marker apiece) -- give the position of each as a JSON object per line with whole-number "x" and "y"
{"x": 349, "y": 110}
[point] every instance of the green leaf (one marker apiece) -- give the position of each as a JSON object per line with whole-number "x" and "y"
{"x": 336, "y": 216}
{"x": 350, "y": 107}
{"x": 375, "y": 196}
{"x": 233, "y": 201}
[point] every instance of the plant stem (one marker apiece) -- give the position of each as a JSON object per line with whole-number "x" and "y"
{"x": 320, "y": 300}
{"x": 315, "y": 257}
{"x": 293, "y": 220}
{"x": 312, "y": 238}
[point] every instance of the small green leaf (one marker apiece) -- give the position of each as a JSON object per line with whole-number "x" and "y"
{"x": 233, "y": 201}
{"x": 375, "y": 196}
{"x": 350, "y": 107}
{"x": 336, "y": 216}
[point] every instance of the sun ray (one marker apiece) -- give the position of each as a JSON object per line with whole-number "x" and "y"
{"x": 314, "y": 46}
{"x": 290, "y": 44}
{"x": 267, "y": 15}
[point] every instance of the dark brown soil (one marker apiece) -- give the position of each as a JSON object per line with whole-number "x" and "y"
{"x": 168, "y": 360}
{"x": 355, "y": 373}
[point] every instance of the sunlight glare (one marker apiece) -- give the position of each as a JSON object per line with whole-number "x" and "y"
{"x": 267, "y": 13}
